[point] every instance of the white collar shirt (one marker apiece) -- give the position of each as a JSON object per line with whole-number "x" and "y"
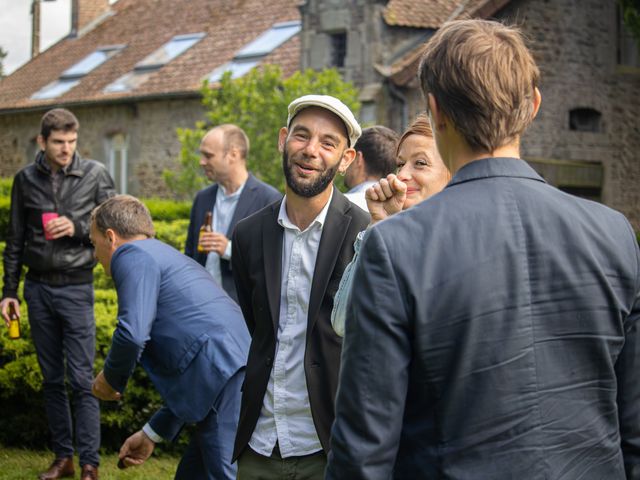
{"x": 286, "y": 412}
{"x": 223, "y": 211}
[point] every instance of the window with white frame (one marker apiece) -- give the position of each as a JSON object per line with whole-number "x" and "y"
{"x": 118, "y": 160}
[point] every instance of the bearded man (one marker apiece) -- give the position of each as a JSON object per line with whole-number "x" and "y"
{"x": 287, "y": 263}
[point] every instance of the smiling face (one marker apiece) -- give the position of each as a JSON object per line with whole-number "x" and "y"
{"x": 314, "y": 149}
{"x": 421, "y": 168}
{"x": 59, "y": 147}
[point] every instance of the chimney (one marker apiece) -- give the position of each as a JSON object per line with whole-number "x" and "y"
{"x": 35, "y": 26}
{"x": 84, "y": 12}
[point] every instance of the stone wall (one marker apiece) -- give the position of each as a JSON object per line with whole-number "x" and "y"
{"x": 575, "y": 46}
{"x": 149, "y": 128}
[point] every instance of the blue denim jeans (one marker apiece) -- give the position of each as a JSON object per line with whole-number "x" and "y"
{"x": 64, "y": 334}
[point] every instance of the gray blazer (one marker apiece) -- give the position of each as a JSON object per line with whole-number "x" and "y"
{"x": 493, "y": 334}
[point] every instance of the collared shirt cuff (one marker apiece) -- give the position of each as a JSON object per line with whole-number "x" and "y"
{"x": 227, "y": 252}
{"x": 151, "y": 434}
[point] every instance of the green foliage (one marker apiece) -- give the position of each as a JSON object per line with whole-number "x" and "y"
{"x": 167, "y": 210}
{"x": 631, "y": 14}
{"x": 256, "y": 102}
{"x": 174, "y": 233}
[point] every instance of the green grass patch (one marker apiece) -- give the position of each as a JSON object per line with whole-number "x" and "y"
{"x": 18, "y": 464}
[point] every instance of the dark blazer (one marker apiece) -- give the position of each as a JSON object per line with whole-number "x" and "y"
{"x": 257, "y": 268}
{"x": 493, "y": 334}
{"x": 256, "y": 195}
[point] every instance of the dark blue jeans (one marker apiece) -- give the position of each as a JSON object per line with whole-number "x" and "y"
{"x": 64, "y": 334}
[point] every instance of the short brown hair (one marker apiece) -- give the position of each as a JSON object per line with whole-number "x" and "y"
{"x": 378, "y": 147}
{"x": 420, "y": 126}
{"x": 125, "y": 215}
{"x": 58, "y": 119}
{"x": 234, "y": 136}
{"x": 483, "y": 78}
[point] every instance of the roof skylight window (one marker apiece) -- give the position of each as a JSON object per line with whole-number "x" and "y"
{"x": 270, "y": 40}
{"x": 154, "y": 61}
{"x": 170, "y": 50}
{"x": 252, "y": 53}
{"x": 72, "y": 76}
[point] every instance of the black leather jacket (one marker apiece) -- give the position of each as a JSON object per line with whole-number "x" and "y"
{"x": 67, "y": 260}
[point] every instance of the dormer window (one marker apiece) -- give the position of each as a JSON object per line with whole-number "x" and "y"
{"x": 253, "y": 52}
{"x": 73, "y": 75}
{"x": 585, "y": 120}
{"x": 153, "y": 62}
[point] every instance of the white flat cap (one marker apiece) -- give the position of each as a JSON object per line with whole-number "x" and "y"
{"x": 333, "y": 105}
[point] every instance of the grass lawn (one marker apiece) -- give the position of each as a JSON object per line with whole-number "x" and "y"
{"x": 17, "y": 464}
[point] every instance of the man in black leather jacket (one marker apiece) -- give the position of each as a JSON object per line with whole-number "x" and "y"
{"x": 58, "y": 287}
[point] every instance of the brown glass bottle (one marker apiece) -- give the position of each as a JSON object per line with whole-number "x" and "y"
{"x": 206, "y": 227}
{"x": 14, "y": 323}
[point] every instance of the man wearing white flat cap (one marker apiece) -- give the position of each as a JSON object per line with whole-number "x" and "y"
{"x": 287, "y": 262}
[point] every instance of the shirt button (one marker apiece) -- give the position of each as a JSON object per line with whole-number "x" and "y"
{"x": 268, "y": 361}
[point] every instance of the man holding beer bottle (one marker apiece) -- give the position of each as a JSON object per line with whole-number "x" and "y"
{"x": 236, "y": 195}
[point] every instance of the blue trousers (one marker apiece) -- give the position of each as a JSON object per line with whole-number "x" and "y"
{"x": 208, "y": 456}
{"x": 64, "y": 334}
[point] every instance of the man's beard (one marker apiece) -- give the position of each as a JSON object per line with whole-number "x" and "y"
{"x": 307, "y": 190}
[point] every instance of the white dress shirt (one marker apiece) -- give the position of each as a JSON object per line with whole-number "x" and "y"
{"x": 356, "y": 194}
{"x": 223, "y": 211}
{"x": 286, "y": 412}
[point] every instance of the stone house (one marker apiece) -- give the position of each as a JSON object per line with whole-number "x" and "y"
{"x": 586, "y": 139}
{"x": 131, "y": 71}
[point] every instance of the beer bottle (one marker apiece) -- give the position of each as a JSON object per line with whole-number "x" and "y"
{"x": 206, "y": 227}
{"x": 14, "y": 322}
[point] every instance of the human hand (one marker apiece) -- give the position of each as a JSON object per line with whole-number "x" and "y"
{"x": 385, "y": 198}
{"x": 4, "y": 306}
{"x": 213, "y": 242}
{"x": 60, "y": 227}
{"x": 135, "y": 450}
{"x": 101, "y": 389}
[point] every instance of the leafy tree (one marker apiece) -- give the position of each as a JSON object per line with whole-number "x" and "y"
{"x": 3, "y": 54}
{"x": 256, "y": 102}
{"x": 631, "y": 14}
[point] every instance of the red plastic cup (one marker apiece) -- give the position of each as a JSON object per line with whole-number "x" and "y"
{"x": 46, "y": 218}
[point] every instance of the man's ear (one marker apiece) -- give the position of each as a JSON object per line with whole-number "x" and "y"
{"x": 537, "y": 101}
{"x": 42, "y": 143}
{"x": 112, "y": 236}
{"x": 348, "y": 156}
{"x": 282, "y": 138}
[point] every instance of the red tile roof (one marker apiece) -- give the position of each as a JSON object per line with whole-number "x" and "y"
{"x": 433, "y": 13}
{"x": 144, "y": 26}
{"x": 428, "y": 14}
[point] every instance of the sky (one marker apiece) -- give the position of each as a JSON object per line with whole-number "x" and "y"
{"x": 15, "y": 28}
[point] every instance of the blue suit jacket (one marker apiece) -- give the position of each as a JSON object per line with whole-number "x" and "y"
{"x": 493, "y": 334}
{"x": 184, "y": 329}
{"x": 255, "y": 196}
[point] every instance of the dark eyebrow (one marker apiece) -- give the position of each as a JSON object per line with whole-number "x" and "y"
{"x": 299, "y": 127}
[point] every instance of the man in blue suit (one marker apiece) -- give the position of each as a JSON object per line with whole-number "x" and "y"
{"x": 236, "y": 195}
{"x": 493, "y": 331}
{"x": 186, "y": 332}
